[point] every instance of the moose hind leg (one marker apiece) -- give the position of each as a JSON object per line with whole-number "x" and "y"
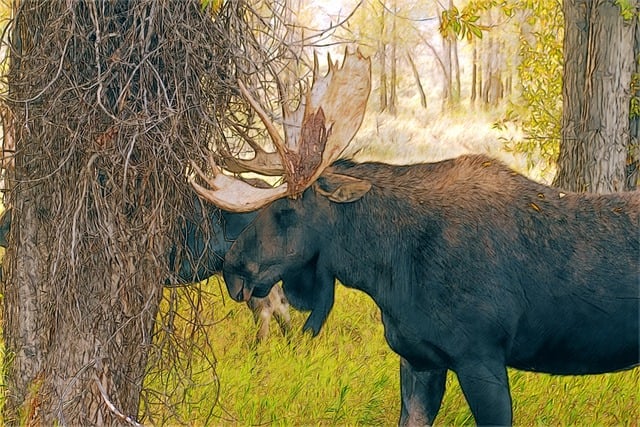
{"x": 280, "y": 306}
{"x": 421, "y": 393}
{"x": 486, "y": 388}
{"x": 262, "y": 310}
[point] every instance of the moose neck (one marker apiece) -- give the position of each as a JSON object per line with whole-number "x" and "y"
{"x": 365, "y": 253}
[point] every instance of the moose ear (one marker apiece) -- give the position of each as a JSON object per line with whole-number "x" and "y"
{"x": 341, "y": 188}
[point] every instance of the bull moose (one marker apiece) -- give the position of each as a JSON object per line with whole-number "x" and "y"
{"x": 474, "y": 267}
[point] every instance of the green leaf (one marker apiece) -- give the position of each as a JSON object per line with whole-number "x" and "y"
{"x": 476, "y": 31}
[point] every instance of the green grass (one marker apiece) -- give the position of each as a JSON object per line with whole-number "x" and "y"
{"x": 349, "y": 376}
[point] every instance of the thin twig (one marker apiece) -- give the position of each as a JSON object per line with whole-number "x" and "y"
{"x": 112, "y": 407}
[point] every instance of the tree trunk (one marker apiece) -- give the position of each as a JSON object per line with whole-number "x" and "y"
{"x": 598, "y": 50}
{"x": 493, "y": 89}
{"x": 633, "y": 159}
{"x": 480, "y": 81}
{"x": 382, "y": 52}
{"x": 447, "y": 85}
{"x": 455, "y": 72}
{"x": 69, "y": 340}
{"x": 416, "y": 76}
{"x": 474, "y": 73}
{"x": 101, "y": 134}
{"x": 393, "y": 97}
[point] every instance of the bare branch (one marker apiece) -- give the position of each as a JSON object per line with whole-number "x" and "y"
{"x": 112, "y": 407}
{"x": 271, "y": 129}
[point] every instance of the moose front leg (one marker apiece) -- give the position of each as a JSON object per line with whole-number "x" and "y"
{"x": 421, "y": 393}
{"x": 324, "y": 295}
{"x": 486, "y": 387}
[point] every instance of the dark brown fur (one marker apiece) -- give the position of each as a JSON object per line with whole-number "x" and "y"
{"x": 474, "y": 267}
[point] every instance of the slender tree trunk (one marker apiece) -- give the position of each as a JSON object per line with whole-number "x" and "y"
{"x": 633, "y": 158}
{"x": 474, "y": 73}
{"x": 493, "y": 87}
{"x": 382, "y": 52}
{"x": 441, "y": 60}
{"x": 447, "y": 85}
{"x": 508, "y": 74}
{"x": 416, "y": 76}
{"x": 393, "y": 97}
{"x": 455, "y": 62}
{"x": 480, "y": 81}
{"x": 599, "y": 57}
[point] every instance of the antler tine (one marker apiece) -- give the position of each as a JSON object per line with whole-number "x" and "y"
{"x": 263, "y": 162}
{"x": 271, "y": 128}
{"x": 333, "y": 65}
{"x": 316, "y": 67}
{"x": 232, "y": 194}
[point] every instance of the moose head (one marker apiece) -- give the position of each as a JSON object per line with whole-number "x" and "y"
{"x": 315, "y": 135}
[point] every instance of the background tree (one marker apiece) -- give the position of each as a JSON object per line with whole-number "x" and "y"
{"x": 538, "y": 105}
{"x": 450, "y": 59}
{"x": 389, "y": 31}
{"x": 393, "y": 87}
{"x": 491, "y": 67}
{"x": 598, "y": 67}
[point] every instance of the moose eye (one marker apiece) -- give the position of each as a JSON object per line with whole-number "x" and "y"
{"x": 286, "y": 217}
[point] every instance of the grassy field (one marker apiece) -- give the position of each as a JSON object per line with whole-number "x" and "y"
{"x": 348, "y": 376}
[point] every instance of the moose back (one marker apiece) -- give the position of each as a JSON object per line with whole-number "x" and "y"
{"x": 474, "y": 267}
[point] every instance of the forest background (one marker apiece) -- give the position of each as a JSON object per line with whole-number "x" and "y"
{"x": 478, "y": 76}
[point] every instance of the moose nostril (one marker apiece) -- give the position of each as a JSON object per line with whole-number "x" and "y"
{"x": 252, "y": 267}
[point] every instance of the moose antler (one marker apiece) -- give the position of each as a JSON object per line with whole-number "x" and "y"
{"x": 315, "y": 135}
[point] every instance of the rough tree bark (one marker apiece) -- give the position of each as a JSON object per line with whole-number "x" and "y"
{"x": 98, "y": 92}
{"x": 599, "y": 61}
{"x": 633, "y": 160}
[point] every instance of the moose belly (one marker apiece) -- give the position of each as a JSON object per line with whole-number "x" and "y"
{"x": 570, "y": 343}
{"x": 573, "y": 343}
